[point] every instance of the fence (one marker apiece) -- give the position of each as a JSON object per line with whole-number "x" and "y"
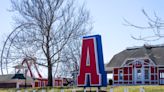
{"x": 107, "y": 89}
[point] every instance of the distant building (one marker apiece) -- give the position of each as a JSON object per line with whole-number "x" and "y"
{"x": 15, "y": 81}
{"x": 20, "y": 81}
{"x": 138, "y": 65}
{"x": 25, "y": 77}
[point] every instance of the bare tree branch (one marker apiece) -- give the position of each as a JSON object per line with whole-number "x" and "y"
{"x": 156, "y": 25}
{"x": 47, "y": 27}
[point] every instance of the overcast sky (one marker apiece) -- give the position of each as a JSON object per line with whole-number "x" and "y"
{"x": 107, "y": 16}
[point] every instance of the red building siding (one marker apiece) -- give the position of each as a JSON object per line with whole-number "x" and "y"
{"x": 125, "y": 69}
{"x": 130, "y": 74}
{"x": 115, "y": 70}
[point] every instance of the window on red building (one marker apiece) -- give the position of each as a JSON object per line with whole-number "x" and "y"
{"x": 162, "y": 75}
{"x": 120, "y": 75}
{"x": 139, "y": 74}
{"x": 146, "y": 74}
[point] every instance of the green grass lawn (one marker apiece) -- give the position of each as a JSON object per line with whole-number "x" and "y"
{"x": 137, "y": 88}
{"x": 115, "y": 89}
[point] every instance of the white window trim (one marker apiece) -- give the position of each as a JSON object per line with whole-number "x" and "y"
{"x": 148, "y": 74}
{"x": 137, "y": 74}
{"x": 136, "y": 59}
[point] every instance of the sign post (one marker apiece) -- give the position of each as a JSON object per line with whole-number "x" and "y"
{"x": 92, "y": 72}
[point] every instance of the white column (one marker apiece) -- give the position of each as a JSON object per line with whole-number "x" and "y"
{"x": 17, "y": 85}
{"x": 149, "y": 74}
{"x": 97, "y": 90}
{"x": 85, "y": 90}
{"x": 143, "y": 74}
{"x": 157, "y": 75}
{"x": 142, "y": 89}
{"x": 73, "y": 90}
{"x": 18, "y": 91}
{"x": 25, "y": 90}
{"x": 111, "y": 89}
{"x": 43, "y": 90}
{"x": 62, "y": 90}
{"x": 134, "y": 74}
{"x": 126, "y": 90}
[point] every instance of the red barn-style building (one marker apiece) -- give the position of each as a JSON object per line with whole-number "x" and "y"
{"x": 139, "y": 65}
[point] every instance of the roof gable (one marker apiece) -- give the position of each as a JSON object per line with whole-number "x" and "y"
{"x": 155, "y": 53}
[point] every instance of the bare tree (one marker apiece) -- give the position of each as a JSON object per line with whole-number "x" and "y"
{"x": 68, "y": 66}
{"x": 70, "y": 57}
{"x": 155, "y": 25}
{"x": 43, "y": 29}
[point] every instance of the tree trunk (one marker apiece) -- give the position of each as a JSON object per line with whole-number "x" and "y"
{"x": 49, "y": 60}
{"x": 49, "y": 73}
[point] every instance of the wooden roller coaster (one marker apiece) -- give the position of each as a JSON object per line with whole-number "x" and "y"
{"x": 39, "y": 81}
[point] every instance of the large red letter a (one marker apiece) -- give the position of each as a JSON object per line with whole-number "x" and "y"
{"x": 89, "y": 64}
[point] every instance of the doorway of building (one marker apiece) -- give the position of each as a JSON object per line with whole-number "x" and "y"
{"x": 161, "y": 77}
{"x": 138, "y": 76}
